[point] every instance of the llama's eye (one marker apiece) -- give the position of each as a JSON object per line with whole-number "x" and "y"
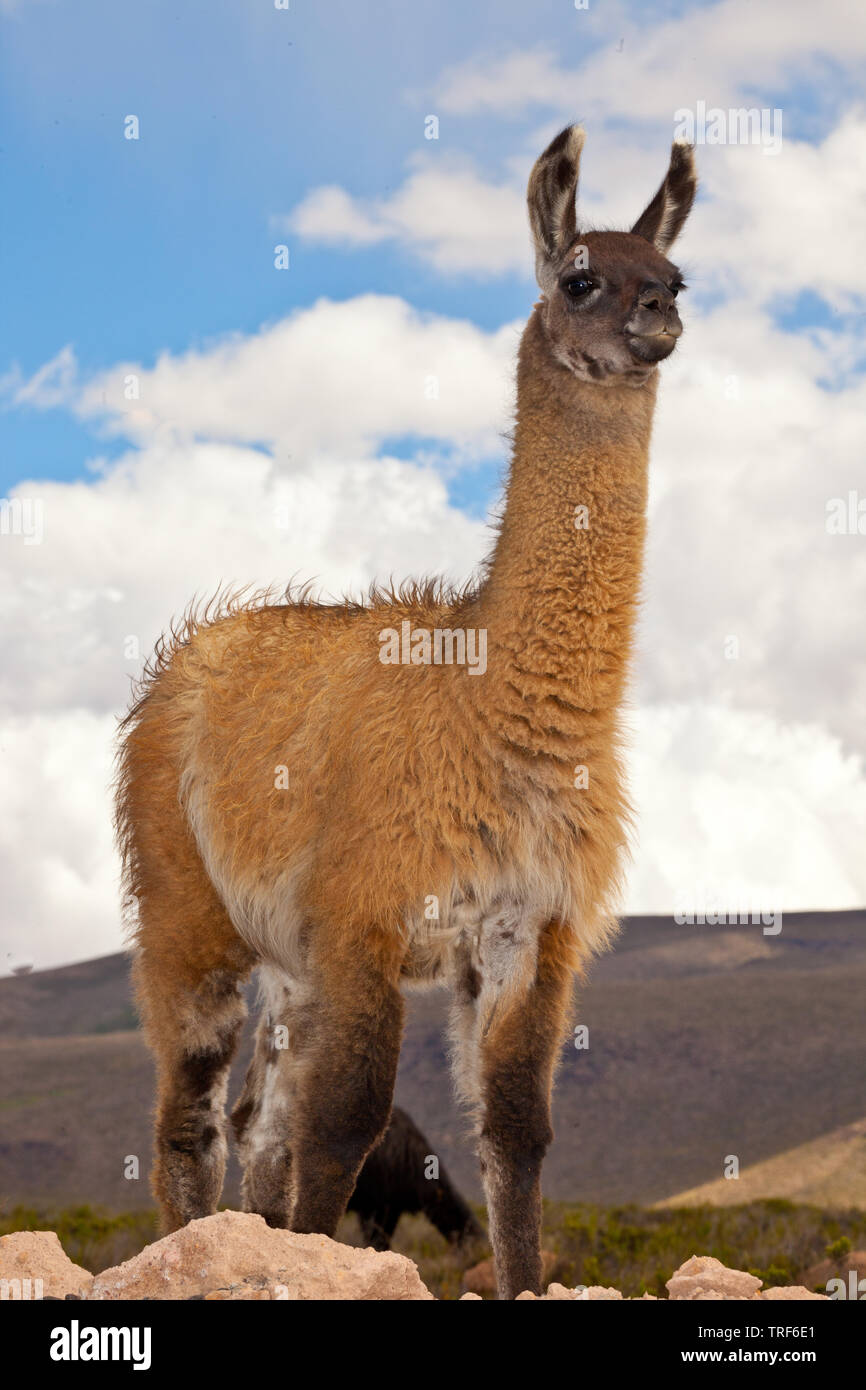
{"x": 679, "y": 285}
{"x": 578, "y": 285}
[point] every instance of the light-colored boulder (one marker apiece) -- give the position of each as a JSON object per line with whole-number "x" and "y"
{"x": 38, "y": 1255}
{"x": 237, "y": 1248}
{"x": 780, "y": 1292}
{"x": 235, "y": 1256}
{"x": 261, "y": 1293}
{"x": 719, "y": 1296}
{"x": 475, "y": 1297}
{"x": 703, "y": 1278}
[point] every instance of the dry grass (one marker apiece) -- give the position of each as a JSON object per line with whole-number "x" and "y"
{"x": 635, "y": 1249}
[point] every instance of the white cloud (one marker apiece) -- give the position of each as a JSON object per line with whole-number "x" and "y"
{"x": 330, "y": 216}
{"x": 776, "y": 225}
{"x": 727, "y": 54}
{"x": 448, "y": 216}
{"x": 748, "y": 449}
{"x": 507, "y": 86}
{"x": 53, "y": 384}
{"x": 333, "y": 378}
{"x": 60, "y": 875}
{"x": 740, "y": 812}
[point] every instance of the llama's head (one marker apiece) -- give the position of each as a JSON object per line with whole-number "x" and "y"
{"x": 608, "y": 302}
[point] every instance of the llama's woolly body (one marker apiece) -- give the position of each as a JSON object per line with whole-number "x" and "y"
{"x": 288, "y": 800}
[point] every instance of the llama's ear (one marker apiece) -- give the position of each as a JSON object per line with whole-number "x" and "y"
{"x": 551, "y": 194}
{"x": 662, "y": 220}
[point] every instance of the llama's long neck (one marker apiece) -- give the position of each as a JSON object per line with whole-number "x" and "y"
{"x": 560, "y": 598}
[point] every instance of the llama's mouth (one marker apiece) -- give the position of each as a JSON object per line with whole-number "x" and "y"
{"x": 652, "y": 347}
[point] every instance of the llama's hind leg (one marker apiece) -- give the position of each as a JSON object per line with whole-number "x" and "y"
{"x": 506, "y": 1052}
{"x": 188, "y": 972}
{"x": 193, "y": 1030}
{"x": 346, "y": 1069}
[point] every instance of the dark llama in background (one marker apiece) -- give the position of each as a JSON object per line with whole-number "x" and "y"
{"x": 288, "y": 801}
{"x": 394, "y": 1180}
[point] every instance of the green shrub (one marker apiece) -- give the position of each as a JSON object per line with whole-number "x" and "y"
{"x": 837, "y": 1248}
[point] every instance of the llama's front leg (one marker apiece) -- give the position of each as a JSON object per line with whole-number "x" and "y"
{"x": 346, "y": 1074}
{"x": 513, "y": 1055}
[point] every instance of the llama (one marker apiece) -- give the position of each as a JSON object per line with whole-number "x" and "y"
{"x": 394, "y": 1180}
{"x": 289, "y": 800}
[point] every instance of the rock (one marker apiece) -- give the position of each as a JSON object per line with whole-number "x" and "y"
{"x": 703, "y": 1278}
{"x": 38, "y": 1255}
{"x": 476, "y": 1297}
{"x": 237, "y": 1255}
{"x": 243, "y": 1291}
{"x": 481, "y": 1278}
{"x": 719, "y": 1296}
{"x": 780, "y": 1292}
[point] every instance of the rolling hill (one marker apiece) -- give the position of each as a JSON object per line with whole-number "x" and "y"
{"x": 703, "y": 1042}
{"x": 826, "y": 1172}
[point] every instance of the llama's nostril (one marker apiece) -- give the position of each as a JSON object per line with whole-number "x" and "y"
{"x": 655, "y": 296}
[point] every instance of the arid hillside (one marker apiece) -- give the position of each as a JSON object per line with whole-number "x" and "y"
{"x": 704, "y": 1041}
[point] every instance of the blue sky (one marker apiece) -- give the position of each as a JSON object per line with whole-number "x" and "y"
{"x": 303, "y": 393}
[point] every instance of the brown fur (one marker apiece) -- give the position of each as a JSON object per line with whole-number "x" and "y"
{"x": 406, "y": 783}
